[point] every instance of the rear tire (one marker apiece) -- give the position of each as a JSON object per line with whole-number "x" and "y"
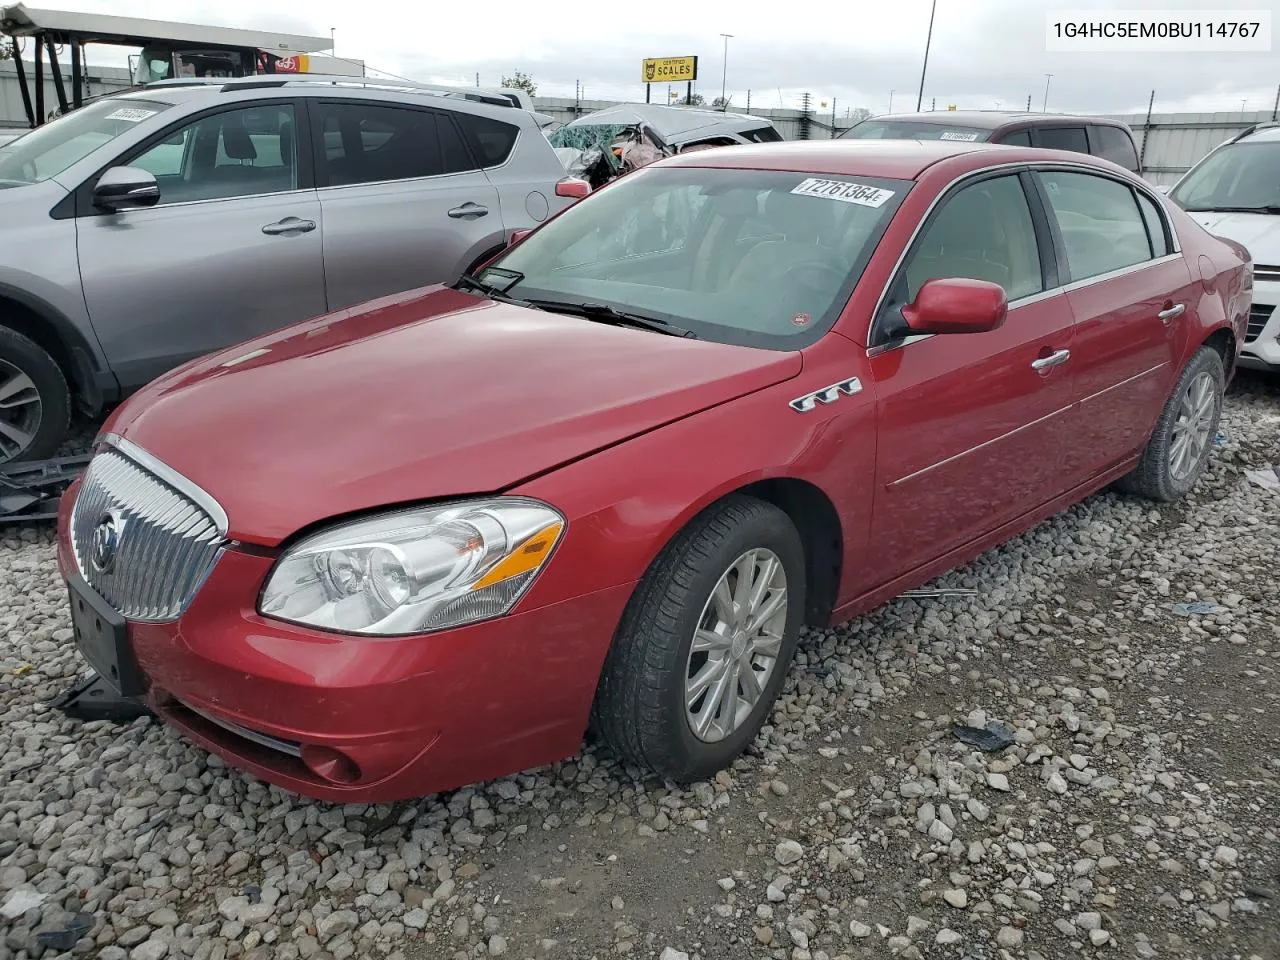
{"x": 35, "y": 404}
{"x": 1178, "y": 452}
{"x": 686, "y": 713}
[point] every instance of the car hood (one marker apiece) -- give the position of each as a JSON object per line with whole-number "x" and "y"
{"x": 428, "y": 394}
{"x": 1259, "y": 232}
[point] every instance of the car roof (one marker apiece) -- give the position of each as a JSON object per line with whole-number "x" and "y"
{"x": 890, "y": 159}
{"x": 991, "y": 119}
{"x": 668, "y": 121}
{"x": 1265, "y": 134}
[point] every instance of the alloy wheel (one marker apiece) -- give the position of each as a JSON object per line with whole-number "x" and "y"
{"x": 1191, "y": 429}
{"x": 20, "y": 411}
{"x": 736, "y": 645}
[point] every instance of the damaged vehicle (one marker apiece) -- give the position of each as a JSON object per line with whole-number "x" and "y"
{"x": 610, "y": 142}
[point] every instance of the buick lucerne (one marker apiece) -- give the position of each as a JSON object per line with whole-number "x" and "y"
{"x": 603, "y": 481}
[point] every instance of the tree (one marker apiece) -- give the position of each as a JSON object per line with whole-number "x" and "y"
{"x": 6, "y": 49}
{"x": 694, "y": 101}
{"x": 520, "y": 81}
{"x": 721, "y": 103}
{"x": 858, "y": 114}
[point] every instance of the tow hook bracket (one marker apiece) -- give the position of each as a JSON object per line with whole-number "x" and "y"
{"x": 92, "y": 698}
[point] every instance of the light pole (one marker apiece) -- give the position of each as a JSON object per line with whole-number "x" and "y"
{"x": 332, "y": 48}
{"x": 891, "y": 101}
{"x": 724, "y": 75}
{"x": 925, "y": 66}
{"x": 1044, "y": 107}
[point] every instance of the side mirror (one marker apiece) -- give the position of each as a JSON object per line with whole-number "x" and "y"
{"x": 123, "y": 187}
{"x": 518, "y": 235}
{"x": 573, "y": 187}
{"x": 957, "y": 305}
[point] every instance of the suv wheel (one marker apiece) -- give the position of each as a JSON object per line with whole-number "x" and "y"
{"x": 35, "y": 404}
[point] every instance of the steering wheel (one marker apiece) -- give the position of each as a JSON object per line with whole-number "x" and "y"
{"x": 815, "y": 275}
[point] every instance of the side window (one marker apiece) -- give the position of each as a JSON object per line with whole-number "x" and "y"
{"x": 368, "y": 143}
{"x": 983, "y": 232}
{"x": 1102, "y": 227}
{"x": 453, "y": 151}
{"x": 1018, "y": 138}
{"x": 1062, "y": 138}
{"x": 1160, "y": 245}
{"x": 236, "y": 153}
{"x": 763, "y": 135}
{"x": 490, "y": 140}
{"x": 1112, "y": 143}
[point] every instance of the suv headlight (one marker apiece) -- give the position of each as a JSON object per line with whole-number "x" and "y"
{"x": 416, "y": 570}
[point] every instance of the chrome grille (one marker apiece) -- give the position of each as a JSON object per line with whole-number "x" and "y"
{"x": 165, "y": 542}
{"x": 1259, "y": 314}
{"x": 1264, "y": 273}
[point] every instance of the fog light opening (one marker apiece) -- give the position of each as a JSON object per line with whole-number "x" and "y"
{"x": 329, "y": 764}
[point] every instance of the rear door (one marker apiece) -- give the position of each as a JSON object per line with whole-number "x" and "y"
{"x": 404, "y": 203}
{"x": 1130, "y": 291}
{"x": 971, "y": 426}
{"x": 232, "y": 249}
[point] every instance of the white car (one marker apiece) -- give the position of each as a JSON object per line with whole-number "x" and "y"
{"x": 1234, "y": 193}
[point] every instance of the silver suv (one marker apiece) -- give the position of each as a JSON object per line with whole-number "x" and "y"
{"x": 150, "y": 227}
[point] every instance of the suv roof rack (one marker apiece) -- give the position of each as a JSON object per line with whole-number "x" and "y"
{"x": 473, "y": 94}
{"x": 1254, "y": 128}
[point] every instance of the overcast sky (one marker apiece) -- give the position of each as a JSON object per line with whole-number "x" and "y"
{"x": 985, "y": 53}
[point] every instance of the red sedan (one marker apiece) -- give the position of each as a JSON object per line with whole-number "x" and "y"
{"x": 430, "y": 540}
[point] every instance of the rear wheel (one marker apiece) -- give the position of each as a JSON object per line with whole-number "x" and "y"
{"x": 705, "y": 644}
{"x": 1178, "y": 451}
{"x": 35, "y": 404}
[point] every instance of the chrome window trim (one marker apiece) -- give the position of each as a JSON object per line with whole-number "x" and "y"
{"x": 1032, "y": 166}
{"x": 174, "y": 479}
{"x": 193, "y": 203}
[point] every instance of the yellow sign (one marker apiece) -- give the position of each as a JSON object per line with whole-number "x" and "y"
{"x": 670, "y": 69}
{"x": 951, "y": 106}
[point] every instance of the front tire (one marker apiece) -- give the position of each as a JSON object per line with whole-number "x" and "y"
{"x": 705, "y": 643}
{"x": 1178, "y": 452}
{"x": 35, "y": 404}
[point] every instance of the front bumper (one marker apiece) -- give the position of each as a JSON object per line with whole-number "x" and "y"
{"x": 362, "y": 720}
{"x": 1261, "y": 350}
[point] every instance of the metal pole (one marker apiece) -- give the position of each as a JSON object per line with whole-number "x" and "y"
{"x": 749, "y": 100}
{"x": 1274, "y": 110}
{"x": 891, "y": 101}
{"x": 1146, "y": 132}
{"x": 833, "y": 118}
{"x": 21, "y": 71}
{"x": 648, "y": 87}
{"x": 1028, "y": 103}
{"x": 39, "y": 82}
{"x": 724, "y": 74}
{"x": 56, "y": 69}
{"x": 925, "y": 66}
{"x": 1045, "y": 106}
{"x": 77, "y": 74}
{"x": 333, "y": 48}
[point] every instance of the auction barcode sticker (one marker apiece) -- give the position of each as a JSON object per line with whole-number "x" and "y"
{"x": 844, "y": 191}
{"x": 130, "y": 114}
{"x": 958, "y": 135}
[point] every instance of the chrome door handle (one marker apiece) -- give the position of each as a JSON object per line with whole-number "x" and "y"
{"x": 289, "y": 225}
{"x": 1055, "y": 358}
{"x": 1177, "y": 310}
{"x": 468, "y": 210}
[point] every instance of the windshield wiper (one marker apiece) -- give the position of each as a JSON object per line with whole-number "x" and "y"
{"x": 469, "y": 281}
{"x": 1263, "y": 208}
{"x": 607, "y": 314}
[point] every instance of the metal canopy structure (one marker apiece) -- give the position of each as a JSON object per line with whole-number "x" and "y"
{"x": 49, "y": 29}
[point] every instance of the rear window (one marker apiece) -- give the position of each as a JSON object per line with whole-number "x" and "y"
{"x": 491, "y": 140}
{"x": 1019, "y": 138}
{"x": 914, "y": 130}
{"x": 1112, "y": 143}
{"x": 1062, "y": 138}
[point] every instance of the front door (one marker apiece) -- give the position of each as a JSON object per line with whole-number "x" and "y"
{"x": 232, "y": 249}
{"x": 970, "y": 426}
{"x": 404, "y": 203}
{"x": 1129, "y": 293}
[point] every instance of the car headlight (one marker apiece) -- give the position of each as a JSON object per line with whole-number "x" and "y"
{"x": 415, "y": 570}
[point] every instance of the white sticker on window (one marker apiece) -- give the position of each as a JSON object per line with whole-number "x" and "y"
{"x": 844, "y": 191}
{"x": 957, "y": 135}
{"x": 131, "y": 114}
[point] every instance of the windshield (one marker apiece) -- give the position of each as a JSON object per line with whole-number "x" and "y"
{"x": 1242, "y": 176}
{"x": 914, "y": 130}
{"x": 49, "y": 149}
{"x": 759, "y": 258}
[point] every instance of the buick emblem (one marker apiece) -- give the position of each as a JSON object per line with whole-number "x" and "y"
{"x": 105, "y": 543}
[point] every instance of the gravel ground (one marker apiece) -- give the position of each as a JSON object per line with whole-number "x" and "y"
{"x": 1134, "y": 815}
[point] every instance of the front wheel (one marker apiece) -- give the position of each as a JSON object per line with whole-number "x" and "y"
{"x": 705, "y": 643}
{"x": 1178, "y": 452}
{"x": 35, "y": 404}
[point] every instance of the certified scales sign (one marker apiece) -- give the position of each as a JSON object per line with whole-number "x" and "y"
{"x": 670, "y": 70}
